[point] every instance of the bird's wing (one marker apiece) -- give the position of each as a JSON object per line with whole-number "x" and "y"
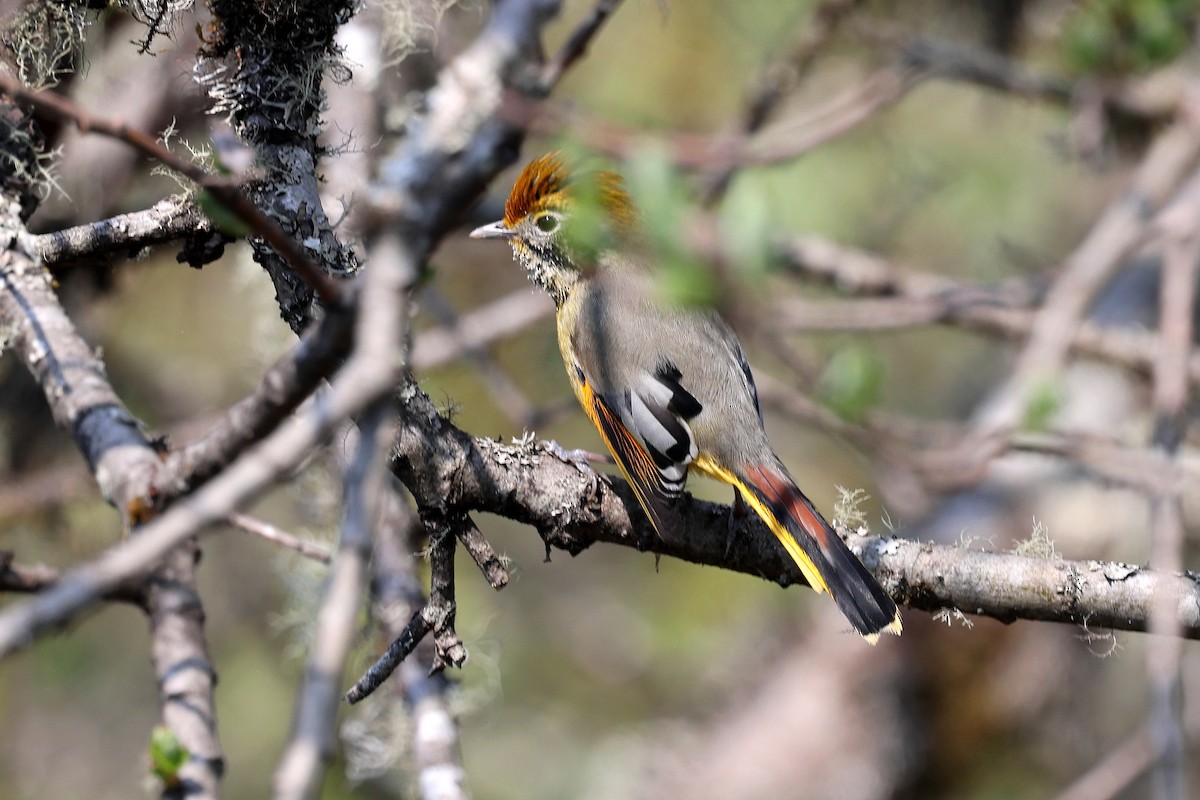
{"x": 645, "y": 427}
{"x": 634, "y": 392}
{"x": 733, "y": 348}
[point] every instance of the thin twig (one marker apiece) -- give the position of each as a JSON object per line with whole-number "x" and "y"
{"x": 484, "y": 555}
{"x": 276, "y": 535}
{"x": 778, "y": 80}
{"x": 435, "y": 617}
{"x": 402, "y": 646}
{"x": 787, "y": 140}
{"x": 577, "y": 43}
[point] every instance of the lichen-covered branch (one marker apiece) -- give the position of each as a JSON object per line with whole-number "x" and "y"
{"x": 72, "y": 376}
{"x": 172, "y": 219}
{"x": 221, "y": 190}
{"x": 264, "y": 65}
{"x": 127, "y": 468}
{"x": 449, "y": 470}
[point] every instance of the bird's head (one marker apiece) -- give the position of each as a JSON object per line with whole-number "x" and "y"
{"x": 553, "y": 219}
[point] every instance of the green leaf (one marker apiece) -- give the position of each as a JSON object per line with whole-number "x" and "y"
{"x": 1041, "y": 405}
{"x": 853, "y": 381}
{"x": 1088, "y": 39}
{"x": 226, "y": 221}
{"x": 1127, "y": 36}
{"x": 1157, "y": 36}
{"x": 167, "y": 755}
{"x": 658, "y": 191}
{"x": 684, "y": 281}
{"x": 746, "y": 228}
{"x": 588, "y": 230}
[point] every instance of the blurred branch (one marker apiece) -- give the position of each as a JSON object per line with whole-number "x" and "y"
{"x": 1113, "y": 773}
{"x": 954, "y": 61}
{"x": 843, "y": 709}
{"x": 310, "y": 748}
{"x": 784, "y": 141}
{"x": 779, "y": 79}
{"x": 918, "y": 59}
{"x": 949, "y": 457}
{"x": 917, "y": 298}
{"x": 1152, "y": 97}
{"x": 577, "y": 43}
{"x": 478, "y": 328}
{"x": 276, "y": 535}
{"x": 32, "y": 578}
{"x": 1119, "y": 229}
{"x": 1179, "y": 229}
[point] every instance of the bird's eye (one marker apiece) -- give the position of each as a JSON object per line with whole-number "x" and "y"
{"x": 546, "y": 223}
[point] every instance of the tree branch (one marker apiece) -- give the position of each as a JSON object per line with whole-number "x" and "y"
{"x": 63, "y": 110}
{"x": 451, "y": 472}
{"x": 312, "y": 742}
{"x": 167, "y": 220}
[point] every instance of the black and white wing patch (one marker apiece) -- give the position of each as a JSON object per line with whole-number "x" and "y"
{"x": 646, "y": 428}
{"x": 659, "y": 410}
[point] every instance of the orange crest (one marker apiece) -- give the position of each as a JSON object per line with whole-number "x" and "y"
{"x": 546, "y": 183}
{"x": 542, "y": 182}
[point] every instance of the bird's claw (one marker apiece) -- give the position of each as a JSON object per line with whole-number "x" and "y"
{"x": 582, "y": 461}
{"x": 579, "y": 459}
{"x": 737, "y": 513}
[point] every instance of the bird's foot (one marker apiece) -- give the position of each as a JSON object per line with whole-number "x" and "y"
{"x": 579, "y": 459}
{"x": 582, "y": 461}
{"x": 737, "y": 512}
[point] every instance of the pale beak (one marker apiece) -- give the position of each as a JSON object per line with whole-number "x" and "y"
{"x": 496, "y": 230}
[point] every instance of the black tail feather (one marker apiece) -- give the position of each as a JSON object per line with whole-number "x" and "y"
{"x": 869, "y": 609}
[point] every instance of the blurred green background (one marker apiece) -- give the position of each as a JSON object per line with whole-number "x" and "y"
{"x": 608, "y": 675}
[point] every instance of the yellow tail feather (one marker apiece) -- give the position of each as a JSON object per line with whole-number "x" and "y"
{"x": 708, "y": 466}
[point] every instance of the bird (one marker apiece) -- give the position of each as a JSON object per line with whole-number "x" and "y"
{"x": 668, "y": 387}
